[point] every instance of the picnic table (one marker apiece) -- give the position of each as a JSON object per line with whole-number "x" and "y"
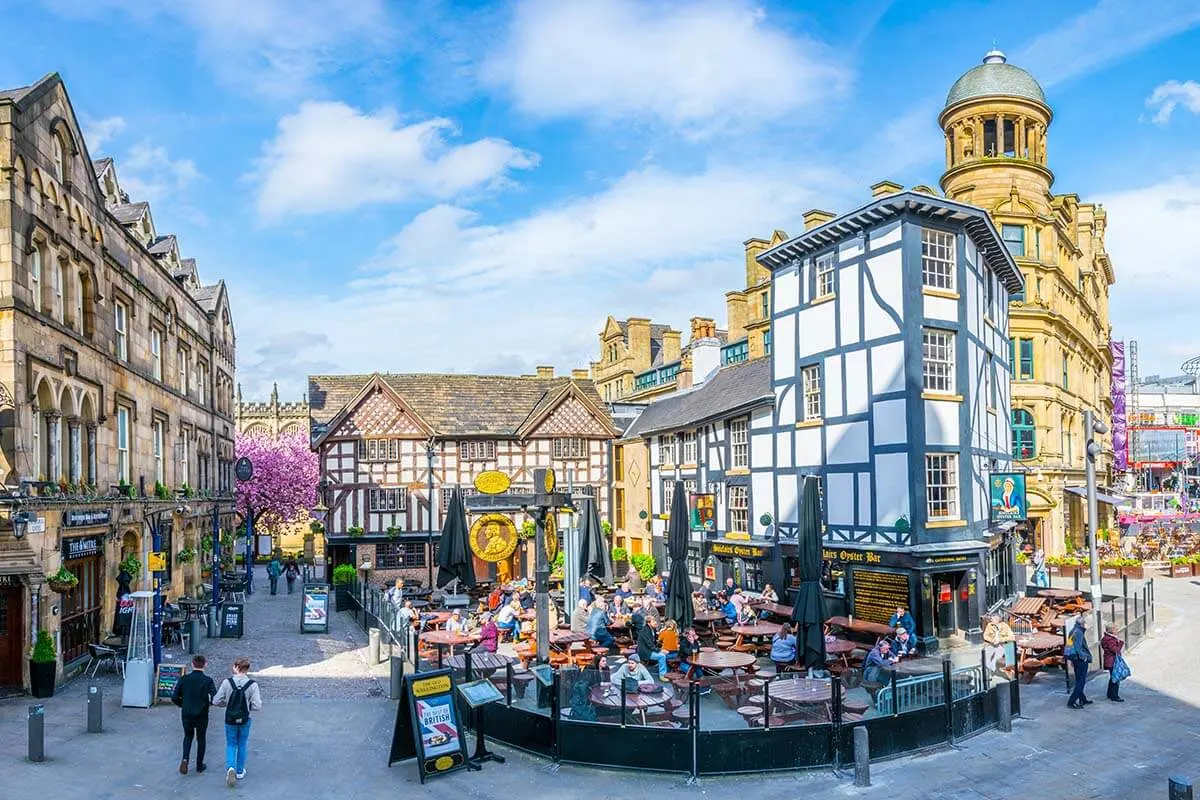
{"x": 561, "y": 639}
{"x": 754, "y": 631}
{"x": 1028, "y": 607}
{"x": 841, "y": 647}
{"x": 609, "y": 696}
{"x": 861, "y": 626}
{"x": 481, "y": 662}
{"x": 444, "y": 639}
{"x": 778, "y": 609}
{"x": 724, "y": 659}
{"x": 432, "y": 619}
{"x": 802, "y": 691}
{"x": 1035, "y": 650}
{"x": 917, "y": 666}
{"x": 1060, "y": 594}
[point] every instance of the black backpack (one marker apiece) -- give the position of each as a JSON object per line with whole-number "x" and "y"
{"x": 237, "y": 710}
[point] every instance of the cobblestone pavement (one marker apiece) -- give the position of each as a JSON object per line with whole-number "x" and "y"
{"x": 326, "y": 726}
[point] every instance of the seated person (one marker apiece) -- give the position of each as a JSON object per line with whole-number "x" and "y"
{"x": 728, "y": 609}
{"x": 668, "y": 642}
{"x": 506, "y": 618}
{"x": 699, "y": 604}
{"x": 527, "y": 600}
{"x": 689, "y": 646}
{"x": 877, "y": 666}
{"x": 407, "y": 614}
{"x": 632, "y": 668}
{"x": 746, "y": 615}
{"x": 783, "y": 647}
{"x": 597, "y": 627}
{"x": 489, "y": 634}
{"x": 456, "y": 623}
{"x": 904, "y": 644}
{"x": 903, "y": 619}
{"x": 579, "y": 617}
{"x": 996, "y": 635}
{"x": 620, "y": 594}
{"x": 654, "y": 589}
{"x": 768, "y": 594}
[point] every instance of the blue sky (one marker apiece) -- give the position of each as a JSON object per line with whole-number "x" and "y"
{"x": 445, "y": 186}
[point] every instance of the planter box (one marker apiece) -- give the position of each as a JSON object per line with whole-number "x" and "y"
{"x": 1182, "y": 570}
{"x": 41, "y": 678}
{"x": 1138, "y": 572}
{"x": 1111, "y": 572}
{"x": 1063, "y": 570}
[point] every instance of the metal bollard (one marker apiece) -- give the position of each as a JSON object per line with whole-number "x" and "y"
{"x": 1179, "y": 788}
{"x": 1004, "y": 701}
{"x": 214, "y": 622}
{"x": 95, "y": 709}
{"x": 37, "y": 733}
{"x": 862, "y": 757}
{"x": 193, "y": 636}
{"x": 397, "y": 677}
{"x": 373, "y": 646}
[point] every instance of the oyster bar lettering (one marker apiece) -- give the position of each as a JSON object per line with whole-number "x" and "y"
{"x": 739, "y": 550}
{"x": 851, "y": 555}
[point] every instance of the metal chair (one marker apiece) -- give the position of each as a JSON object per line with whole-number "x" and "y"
{"x": 101, "y": 654}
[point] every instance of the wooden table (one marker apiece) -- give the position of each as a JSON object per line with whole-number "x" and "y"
{"x": 190, "y": 607}
{"x": 433, "y": 619}
{"x": 802, "y": 691}
{"x": 564, "y": 639}
{"x": 843, "y": 648}
{"x": 444, "y": 639}
{"x": 861, "y": 626}
{"x": 1028, "y": 607}
{"x": 481, "y": 661}
{"x": 1060, "y": 594}
{"x": 755, "y": 631}
{"x": 1035, "y": 645}
{"x": 724, "y": 659}
{"x": 778, "y": 609}
{"x": 609, "y": 696}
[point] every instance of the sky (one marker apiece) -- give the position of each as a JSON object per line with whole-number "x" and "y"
{"x": 473, "y": 187}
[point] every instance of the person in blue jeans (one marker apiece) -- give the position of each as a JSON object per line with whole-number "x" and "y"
{"x": 1080, "y": 657}
{"x": 597, "y": 627}
{"x": 240, "y": 696}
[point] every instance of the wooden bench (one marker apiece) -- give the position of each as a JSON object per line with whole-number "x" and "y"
{"x": 1028, "y": 607}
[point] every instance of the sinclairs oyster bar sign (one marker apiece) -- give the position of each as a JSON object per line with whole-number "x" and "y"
{"x": 86, "y": 517}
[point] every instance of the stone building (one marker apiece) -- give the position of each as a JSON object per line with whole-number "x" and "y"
{"x": 997, "y": 123}
{"x": 116, "y": 385}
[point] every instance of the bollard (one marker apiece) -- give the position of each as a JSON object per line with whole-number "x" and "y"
{"x": 37, "y": 733}
{"x": 1179, "y": 788}
{"x": 373, "y": 646}
{"x": 1004, "y": 701}
{"x": 397, "y": 677}
{"x": 862, "y": 757}
{"x": 214, "y": 622}
{"x": 193, "y": 636}
{"x": 95, "y": 709}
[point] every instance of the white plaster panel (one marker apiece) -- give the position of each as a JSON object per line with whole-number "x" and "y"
{"x": 884, "y": 273}
{"x": 785, "y": 401}
{"x": 891, "y": 487}
{"x": 831, "y": 373}
{"x": 783, "y": 450}
{"x": 864, "y": 499}
{"x": 885, "y": 235}
{"x": 839, "y": 497}
{"x": 941, "y": 422}
{"x": 816, "y": 328}
{"x": 761, "y": 450}
{"x": 850, "y": 248}
{"x": 808, "y": 448}
{"x": 972, "y": 252}
{"x": 940, "y": 308}
{"x": 848, "y": 290}
{"x": 890, "y": 421}
{"x": 786, "y": 289}
{"x": 846, "y": 443}
{"x": 760, "y": 419}
{"x": 762, "y": 498}
{"x": 783, "y": 346}
{"x": 856, "y": 382}
{"x": 887, "y": 367}
{"x": 789, "y": 497}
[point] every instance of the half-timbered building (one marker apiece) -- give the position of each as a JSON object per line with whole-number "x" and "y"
{"x": 393, "y": 447}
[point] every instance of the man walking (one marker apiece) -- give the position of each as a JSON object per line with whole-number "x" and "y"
{"x": 193, "y": 694}
{"x": 1080, "y": 656}
{"x": 274, "y": 569}
{"x": 240, "y": 696}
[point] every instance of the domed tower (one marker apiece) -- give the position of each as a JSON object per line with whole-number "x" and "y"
{"x": 995, "y": 120}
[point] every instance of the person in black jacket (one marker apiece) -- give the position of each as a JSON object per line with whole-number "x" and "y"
{"x": 647, "y": 644}
{"x": 193, "y": 694}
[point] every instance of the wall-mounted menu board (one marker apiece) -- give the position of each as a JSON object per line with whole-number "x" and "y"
{"x": 877, "y": 593}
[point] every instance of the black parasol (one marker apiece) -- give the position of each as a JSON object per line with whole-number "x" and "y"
{"x": 679, "y": 584}
{"x": 809, "y": 611}
{"x": 595, "y": 557}
{"x": 454, "y": 549}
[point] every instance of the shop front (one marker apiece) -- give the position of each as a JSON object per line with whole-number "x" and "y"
{"x": 751, "y": 564}
{"x": 13, "y": 637}
{"x": 80, "y": 609}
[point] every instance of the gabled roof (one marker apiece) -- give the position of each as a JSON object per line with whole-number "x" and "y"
{"x": 15, "y": 95}
{"x": 101, "y": 165}
{"x": 187, "y": 269}
{"x": 208, "y": 296}
{"x": 457, "y": 405}
{"x": 731, "y": 390}
{"x": 163, "y": 245}
{"x": 129, "y": 213}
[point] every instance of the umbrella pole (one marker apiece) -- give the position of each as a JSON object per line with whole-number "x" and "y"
{"x": 542, "y": 586}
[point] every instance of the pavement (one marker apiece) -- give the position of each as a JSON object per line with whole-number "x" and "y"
{"x": 326, "y": 726}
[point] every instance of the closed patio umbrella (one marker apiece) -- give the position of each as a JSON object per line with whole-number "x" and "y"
{"x": 809, "y": 611}
{"x": 454, "y": 549}
{"x": 679, "y": 583}
{"x": 595, "y": 557}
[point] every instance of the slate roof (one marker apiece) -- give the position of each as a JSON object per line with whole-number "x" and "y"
{"x": 451, "y": 404}
{"x": 207, "y": 296}
{"x": 995, "y": 77}
{"x": 163, "y": 245}
{"x": 14, "y": 94}
{"x": 732, "y": 388}
{"x": 127, "y": 213}
{"x": 101, "y": 164}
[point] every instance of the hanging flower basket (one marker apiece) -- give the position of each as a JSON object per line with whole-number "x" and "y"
{"x": 62, "y": 581}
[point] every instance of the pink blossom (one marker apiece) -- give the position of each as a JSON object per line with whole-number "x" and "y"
{"x": 284, "y": 485}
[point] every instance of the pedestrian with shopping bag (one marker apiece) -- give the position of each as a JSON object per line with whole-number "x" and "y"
{"x": 1114, "y": 662}
{"x": 1080, "y": 656}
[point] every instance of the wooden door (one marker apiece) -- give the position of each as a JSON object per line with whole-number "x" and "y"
{"x": 12, "y": 636}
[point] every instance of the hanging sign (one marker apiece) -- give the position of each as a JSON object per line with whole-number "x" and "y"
{"x": 80, "y": 547}
{"x": 1008, "y": 495}
{"x": 314, "y": 613}
{"x": 427, "y": 726}
{"x": 703, "y": 511}
{"x": 243, "y": 469}
{"x": 493, "y": 537}
{"x": 156, "y": 562}
{"x": 492, "y": 482}
{"x": 550, "y": 539}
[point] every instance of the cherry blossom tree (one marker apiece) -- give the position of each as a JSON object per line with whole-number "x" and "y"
{"x": 284, "y": 485}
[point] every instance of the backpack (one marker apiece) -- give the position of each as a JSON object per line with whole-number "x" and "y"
{"x": 237, "y": 710}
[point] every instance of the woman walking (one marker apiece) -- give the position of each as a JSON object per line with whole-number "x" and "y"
{"x": 1080, "y": 656}
{"x": 1111, "y": 646}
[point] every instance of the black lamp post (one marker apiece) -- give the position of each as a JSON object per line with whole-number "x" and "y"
{"x": 429, "y": 532}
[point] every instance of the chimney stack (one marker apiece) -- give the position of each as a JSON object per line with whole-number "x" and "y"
{"x": 816, "y": 217}
{"x": 545, "y": 372}
{"x": 884, "y": 188}
{"x": 579, "y": 374}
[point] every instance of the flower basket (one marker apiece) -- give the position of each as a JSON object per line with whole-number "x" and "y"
{"x": 62, "y": 581}
{"x": 1110, "y": 571}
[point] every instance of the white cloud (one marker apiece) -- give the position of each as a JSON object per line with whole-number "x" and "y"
{"x": 695, "y": 66}
{"x": 1167, "y": 96}
{"x": 149, "y": 173}
{"x": 464, "y": 294}
{"x": 269, "y": 47}
{"x": 328, "y": 156}
{"x": 97, "y": 133}
{"x": 1108, "y": 31}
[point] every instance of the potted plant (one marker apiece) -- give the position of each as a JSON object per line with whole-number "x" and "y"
{"x": 316, "y": 527}
{"x": 393, "y": 532}
{"x": 42, "y": 666}
{"x": 354, "y": 531}
{"x": 644, "y": 564}
{"x": 620, "y": 557}
{"x": 344, "y": 576}
{"x": 1111, "y": 567}
{"x": 125, "y": 489}
{"x": 132, "y": 565}
{"x": 185, "y": 556}
{"x": 161, "y": 491}
{"x": 62, "y": 581}
{"x": 1133, "y": 568}
{"x": 1181, "y": 567}
{"x": 185, "y": 491}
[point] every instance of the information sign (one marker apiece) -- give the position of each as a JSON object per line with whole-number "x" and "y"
{"x": 156, "y": 562}
{"x": 232, "y": 621}
{"x": 314, "y": 613}
{"x": 427, "y": 726}
{"x": 165, "y": 679}
{"x": 877, "y": 593}
{"x": 480, "y": 693}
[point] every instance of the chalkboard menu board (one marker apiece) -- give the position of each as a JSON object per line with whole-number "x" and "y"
{"x": 232, "y": 620}
{"x": 877, "y": 593}
{"x": 166, "y": 677}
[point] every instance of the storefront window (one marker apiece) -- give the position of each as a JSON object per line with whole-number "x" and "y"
{"x": 693, "y": 561}
{"x": 81, "y": 606}
{"x": 833, "y": 577}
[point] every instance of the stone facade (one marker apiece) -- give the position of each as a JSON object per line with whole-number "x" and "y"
{"x": 116, "y": 375}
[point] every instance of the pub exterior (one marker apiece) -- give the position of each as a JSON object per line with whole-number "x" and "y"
{"x": 890, "y": 369}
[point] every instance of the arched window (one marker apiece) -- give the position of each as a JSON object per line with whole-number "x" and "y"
{"x": 1024, "y": 435}
{"x": 58, "y": 153}
{"x": 60, "y": 287}
{"x": 35, "y": 278}
{"x": 77, "y": 296}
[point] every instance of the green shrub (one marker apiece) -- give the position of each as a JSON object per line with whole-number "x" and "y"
{"x": 644, "y": 564}
{"x": 43, "y": 651}
{"x": 344, "y": 574}
{"x": 132, "y": 565}
{"x": 355, "y": 531}
{"x": 620, "y": 554}
{"x": 606, "y": 527}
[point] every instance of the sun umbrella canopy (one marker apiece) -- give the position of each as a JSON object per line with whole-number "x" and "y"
{"x": 679, "y": 583}
{"x": 454, "y": 549}
{"x": 595, "y": 557}
{"x": 809, "y": 611}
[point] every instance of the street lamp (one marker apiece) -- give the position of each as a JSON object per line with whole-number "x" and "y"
{"x": 1092, "y": 427}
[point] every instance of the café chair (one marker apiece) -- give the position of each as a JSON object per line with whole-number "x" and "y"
{"x": 102, "y": 654}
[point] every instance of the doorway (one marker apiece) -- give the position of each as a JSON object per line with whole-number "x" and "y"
{"x": 12, "y": 635}
{"x": 951, "y": 592}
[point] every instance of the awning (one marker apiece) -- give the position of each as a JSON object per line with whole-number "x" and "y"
{"x": 1103, "y": 497}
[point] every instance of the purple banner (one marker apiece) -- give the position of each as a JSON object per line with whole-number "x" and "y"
{"x": 1120, "y": 422}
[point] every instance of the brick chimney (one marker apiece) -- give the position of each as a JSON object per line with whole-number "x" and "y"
{"x": 579, "y": 374}
{"x": 545, "y": 372}
{"x": 683, "y": 379}
{"x": 670, "y": 345}
{"x": 704, "y": 351}
{"x": 816, "y": 217}
{"x": 884, "y": 188}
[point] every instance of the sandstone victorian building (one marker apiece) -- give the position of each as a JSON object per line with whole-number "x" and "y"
{"x": 392, "y": 448}
{"x": 116, "y": 385}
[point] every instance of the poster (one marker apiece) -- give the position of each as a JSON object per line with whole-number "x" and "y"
{"x": 703, "y": 508}
{"x": 439, "y": 730}
{"x": 1120, "y": 421}
{"x": 314, "y": 614}
{"x": 1007, "y": 491}
{"x": 427, "y": 710}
